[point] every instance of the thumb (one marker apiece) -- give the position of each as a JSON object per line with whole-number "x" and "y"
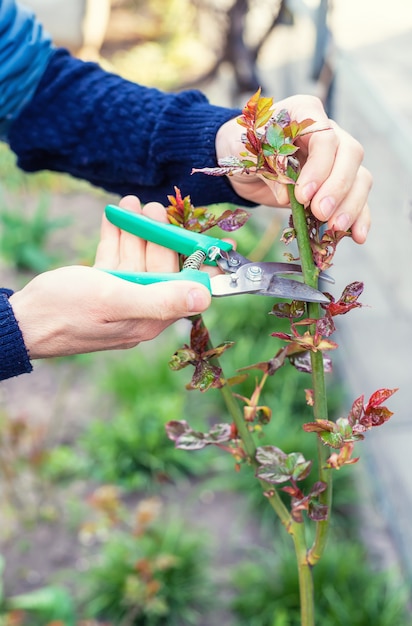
{"x": 165, "y": 300}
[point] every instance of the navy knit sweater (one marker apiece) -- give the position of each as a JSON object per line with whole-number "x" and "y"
{"x": 118, "y": 135}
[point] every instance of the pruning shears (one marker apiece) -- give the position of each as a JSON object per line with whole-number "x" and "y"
{"x": 240, "y": 275}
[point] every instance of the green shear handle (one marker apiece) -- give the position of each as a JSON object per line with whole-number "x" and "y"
{"x": 148, "y": 278}
{"x": 167, "y": 235}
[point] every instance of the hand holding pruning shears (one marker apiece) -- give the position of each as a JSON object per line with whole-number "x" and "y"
{"x": 77, "y": 309}
{"x": 239, "y": 275}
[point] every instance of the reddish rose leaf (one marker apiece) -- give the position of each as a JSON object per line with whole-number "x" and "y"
{"x": 380, "y": 396}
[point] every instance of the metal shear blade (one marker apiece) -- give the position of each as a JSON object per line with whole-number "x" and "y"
{"x": 256, "y": 279}
{"x": 240, "y": 276}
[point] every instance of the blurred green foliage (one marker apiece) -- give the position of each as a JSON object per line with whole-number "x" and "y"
{"x": 347, "y": 589}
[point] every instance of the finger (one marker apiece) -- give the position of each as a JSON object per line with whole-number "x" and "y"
{"x": 354, "y": 212}
{"x": 158, "y": 258}
{"x": 320, "y": 150}
{"x": 166, "y": 301}
{"x": 360, "y": 228}
{"x": 342, "y": 176}
{"x": 132, "y": 249}
{"x": 107, "y": 253}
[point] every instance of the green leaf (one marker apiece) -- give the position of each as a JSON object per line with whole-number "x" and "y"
{"x": 287, "y": 149}
{"x": 275, "y": 136}
{"x": 334, "y": 440}
{"x": 182, "y": 358}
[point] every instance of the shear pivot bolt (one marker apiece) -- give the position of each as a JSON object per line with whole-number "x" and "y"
{"x": 254, "y": 272}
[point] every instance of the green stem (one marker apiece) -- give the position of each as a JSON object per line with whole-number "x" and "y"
{"x": 310, "y": 275}
{"x": 306, "y": 590}
{"x": 249, "y": 446}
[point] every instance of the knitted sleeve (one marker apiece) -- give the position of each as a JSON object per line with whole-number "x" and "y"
{"x": 121, "y": 136}
{"x": 14, "y": 358}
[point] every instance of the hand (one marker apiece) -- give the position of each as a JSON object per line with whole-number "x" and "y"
{"x": 332, "y": 178}
{"x": 74, "y": 310}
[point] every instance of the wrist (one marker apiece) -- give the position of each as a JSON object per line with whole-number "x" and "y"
{"x": 14, "y": 356}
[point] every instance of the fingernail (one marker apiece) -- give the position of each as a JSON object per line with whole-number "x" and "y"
{"x": 197, "y": 301}
{"x": 308, "y": 191}
{"x": 327, "y": 206}
{"x": 342, "y": 222}
{"x": 364, "y": 232}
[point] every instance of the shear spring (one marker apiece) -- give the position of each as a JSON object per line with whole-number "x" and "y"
{"x": 194, "y": 261}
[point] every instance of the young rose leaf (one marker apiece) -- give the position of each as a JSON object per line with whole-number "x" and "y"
{"x": 318, "y": 488}
{"x": 344, "y": 457}
{"x": 356, "y": 411}
{"x": 263, "y": 111}
{"x": 219, "y": 350}
{"x": 184, "y": 437}
{"x": 352, "y": 292}
{"x": 289, "y": 310}
{"x": 282, "y": 118}
{"x": 287, "y": 149}
{"x": 206, "y": 376}
{"x": 270, "y": 455}
{"x": 317, "y": 512}
{"x": 176, "y": 428}
{"x": 288, "y": 235}
{"x": 319, "y": 426}
{"x": 293, "y": 129}
{"x": 310, "y": 397}
{"x": 275, "y": 136}
{"x": 301, "y": 362}
{"x": 347, "y": 301}
{"x": 236, "y": 380}
{"x": 182, "y": 213}
{"x": 219, "y": 433}
{"x": 222, "y": 170}
{"x": 199, "y": 337}
{"x": 325, "y": 326}
{"x": 257, "y": 111}
{"x": 232, "y": 220}
{"x": 271, "y": 366}
{"x": 188, "y": 439}
{"x": 307, "y": 341}
{"x": 301, "y": 503}
{"x": 278, "y": 467}
{"x": 182, "y": 358}
{"x": 326, "y": 431}
{"x": 380, "y": 396}
{"x": 363, "y": 418}
{"x": 374, "y": 417}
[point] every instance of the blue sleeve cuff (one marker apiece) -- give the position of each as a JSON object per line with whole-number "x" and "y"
{"x": 14, "y": 358}
{"x": 25, "y": 50}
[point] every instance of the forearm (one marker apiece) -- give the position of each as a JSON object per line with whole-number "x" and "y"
{"x": 119, "y": 135}
{"x": 25, "y": 50}
{"x": 14, "y": 358}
